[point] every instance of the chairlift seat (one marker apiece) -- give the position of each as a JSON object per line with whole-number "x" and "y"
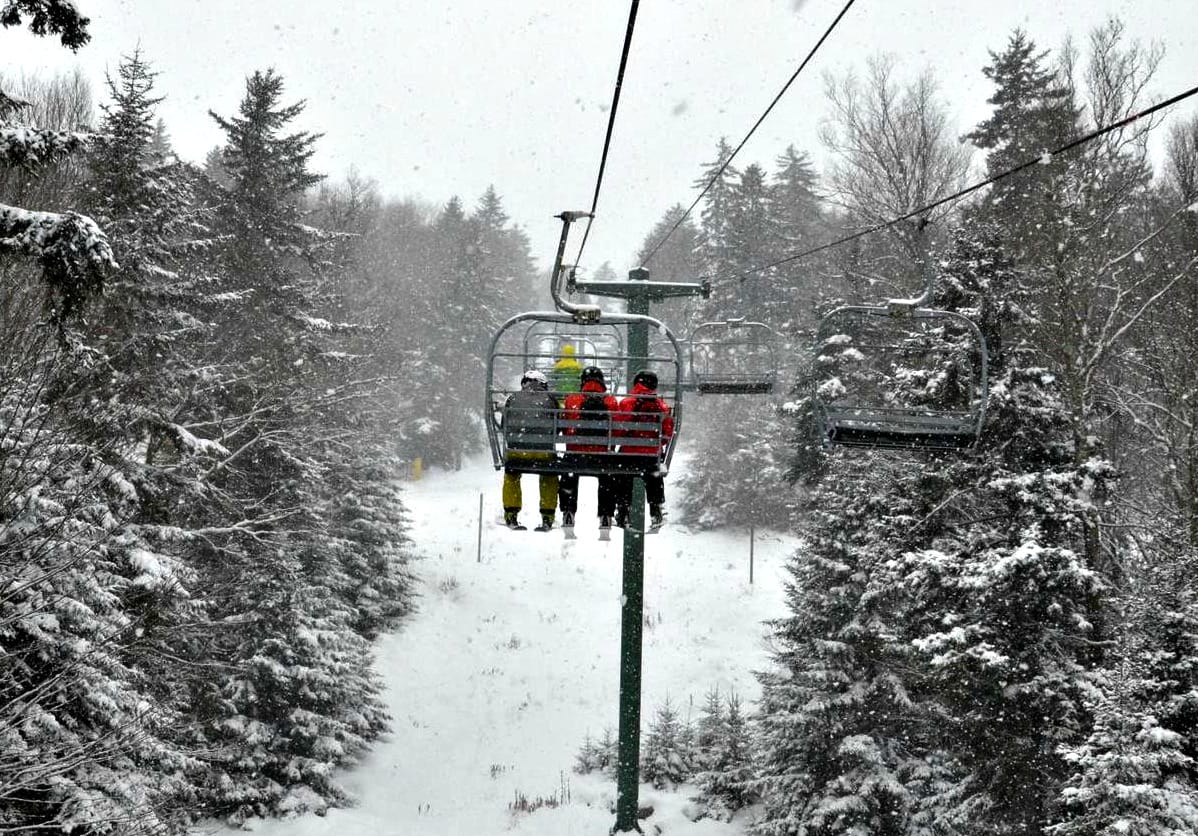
{"x": 710, "y": 385}
{"x": 900, "y": 428}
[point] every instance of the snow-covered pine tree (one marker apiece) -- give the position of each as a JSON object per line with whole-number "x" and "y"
{"x": 588, "y": 758}
{"x": 609, "y": 752}
{"x": 709, "y": 729}
{"x": 302, "y": 698}
{"x": 664, "y": 756}
{"x": 80, "y": 728}
{"x": 1034, "y": 112}
{"x": 90, "y": 588}
{"x": 726, "y": 782}
{"x": 843, "y": 730}
{"x": 362, "y": 506}
{"x": 1012, "y": 620}
{"x": 800, "y": 223}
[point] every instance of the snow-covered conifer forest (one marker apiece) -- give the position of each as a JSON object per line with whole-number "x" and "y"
{"x": 223, "y": 590}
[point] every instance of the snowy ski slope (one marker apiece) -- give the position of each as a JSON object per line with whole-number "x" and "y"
{"x": 508, "y": 663}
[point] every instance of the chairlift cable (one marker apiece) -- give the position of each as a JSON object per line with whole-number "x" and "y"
{"x": 757, "y": 124}
{"x": 1042, "y": 159}
{"x": 611, "y": 123}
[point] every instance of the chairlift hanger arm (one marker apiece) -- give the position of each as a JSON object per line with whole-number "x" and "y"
{"x": 581, "y": 313}
{"x": 905, "y": 307}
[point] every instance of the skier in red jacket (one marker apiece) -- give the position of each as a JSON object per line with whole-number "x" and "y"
{"x": 643, "y": 406}
{"x": 591, "y": 404}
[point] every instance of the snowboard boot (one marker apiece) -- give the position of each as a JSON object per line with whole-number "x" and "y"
{"x": 546, "y": 523}
{"x": 568, "y": 524}
{"x": 656, "y": 517}
{"x": 511, "y": 521}
{"x": 605, "y": 528}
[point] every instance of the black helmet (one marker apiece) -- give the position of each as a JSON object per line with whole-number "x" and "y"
{"x": 592, "y": 373}
{"x": 646, "y": 378}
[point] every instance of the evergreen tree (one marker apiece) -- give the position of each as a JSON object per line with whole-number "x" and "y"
{"x": 1125, "y": 778}
{"x": 665, "y": 755}
{"x": 944, "y": 622}
{"x": 588, "y": 758}
{"x": 726, "y": 782}
{"x": 741, "y": 447}
{"x": 303, "y": 699}
{"x": 800, "y": 224}
{"x": 88, "y": 729}
{"x": 716, "y": 215}
{"x": 1034, "y": 112}
{"x": 711, "y": 729}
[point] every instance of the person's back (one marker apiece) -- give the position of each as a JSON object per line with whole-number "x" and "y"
{"x": 564, "y": 377}
{"x": 597, "y": 412}
{"x": 644, "y": 445}
{"x": 528, "y": 420}
{"x": 644, "y": 406}
{"x": 597, "y": 409}
{"x": 529, "y": 433}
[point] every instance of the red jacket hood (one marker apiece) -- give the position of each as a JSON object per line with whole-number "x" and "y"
{"x": 641, "y": 389}
{"x": 593, "y": 386}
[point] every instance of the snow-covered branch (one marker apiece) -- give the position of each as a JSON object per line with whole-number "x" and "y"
{"x": 27, "y": 147}
{"x": 73, "y": 251}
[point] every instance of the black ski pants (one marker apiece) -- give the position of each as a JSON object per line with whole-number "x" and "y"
{"x": 655, "y": 485}
{"x": 567, "y": 494}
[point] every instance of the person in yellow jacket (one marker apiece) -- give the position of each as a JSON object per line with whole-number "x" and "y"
{"x": 565, "y": 376}
{"x": 528, "y": 418}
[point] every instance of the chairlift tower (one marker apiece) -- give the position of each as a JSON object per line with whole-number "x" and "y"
{"x": 639, "y": 293}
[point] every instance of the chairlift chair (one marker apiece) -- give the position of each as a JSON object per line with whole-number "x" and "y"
{"x": 900, "y": 378}
{"x": 540, "y": 438}
{"x": 734, "y": 357}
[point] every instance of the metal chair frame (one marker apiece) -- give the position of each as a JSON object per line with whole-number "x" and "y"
{"x": 903, "y": 427}
{"x": 603, "y": 342}
{"x": 724, "y": 381}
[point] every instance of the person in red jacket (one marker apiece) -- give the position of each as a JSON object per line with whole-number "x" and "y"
{"x": 643, "y": 406}
{"x": 593, "y": 405}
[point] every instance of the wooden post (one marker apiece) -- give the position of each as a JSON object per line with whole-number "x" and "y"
{"x": 752, "y": 540}
{"x": 480, "y": 528}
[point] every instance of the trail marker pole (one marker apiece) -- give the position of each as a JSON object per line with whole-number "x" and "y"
{"x": 480, "y": 528}
{"x": 639, "y": 292}
{"x": 752, "y": 539}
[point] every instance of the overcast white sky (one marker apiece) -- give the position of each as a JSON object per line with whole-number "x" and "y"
{"x": 433, "y": 99}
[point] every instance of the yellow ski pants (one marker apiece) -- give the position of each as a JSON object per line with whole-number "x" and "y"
{"x": 513, "y": 498}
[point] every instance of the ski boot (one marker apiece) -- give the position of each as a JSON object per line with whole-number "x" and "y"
{"x": 546, "y": 523}
{"x": 509, "y": 519}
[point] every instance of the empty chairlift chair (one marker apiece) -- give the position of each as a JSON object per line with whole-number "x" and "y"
{"x": 734, "y": 357}
{"x": 900, "y": 377}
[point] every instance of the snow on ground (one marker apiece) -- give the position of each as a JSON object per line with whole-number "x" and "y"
{"x": 509, "y": 663}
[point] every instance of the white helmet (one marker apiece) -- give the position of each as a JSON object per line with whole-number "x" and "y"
{"x": 534, "y": 379}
